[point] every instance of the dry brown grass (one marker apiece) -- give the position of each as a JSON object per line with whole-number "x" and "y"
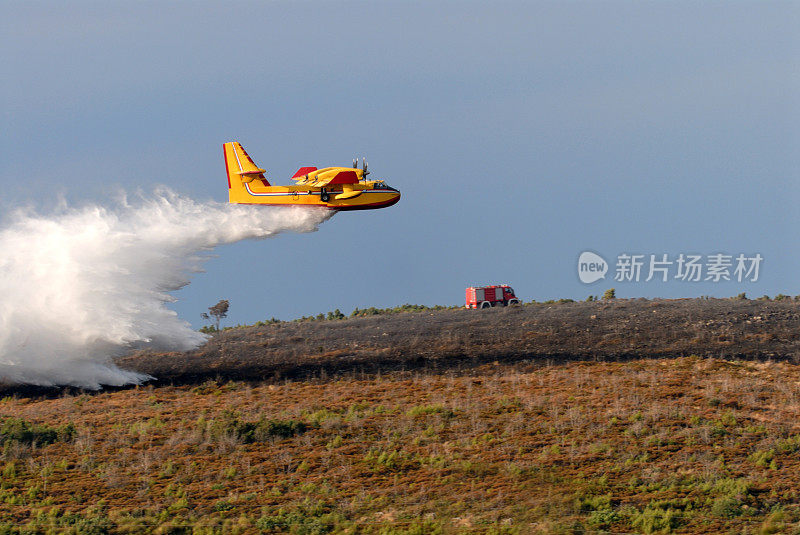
{"x": 685, "y": 444}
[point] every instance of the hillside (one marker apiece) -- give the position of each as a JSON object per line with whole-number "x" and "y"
{"x": 600, "y": 330}
{"x": 608, "y": 417}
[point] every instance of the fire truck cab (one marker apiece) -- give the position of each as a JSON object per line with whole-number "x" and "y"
{"x": 490, "y": 296}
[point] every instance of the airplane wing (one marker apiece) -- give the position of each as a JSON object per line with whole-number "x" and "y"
{"x": 330, "y": 177}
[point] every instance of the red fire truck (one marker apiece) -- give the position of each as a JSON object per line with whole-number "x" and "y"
{"x": 491, "y": 296}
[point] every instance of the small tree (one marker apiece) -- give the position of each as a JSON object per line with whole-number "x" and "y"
{"x": 610, "y": 294}
{"x": 219, "y": 311}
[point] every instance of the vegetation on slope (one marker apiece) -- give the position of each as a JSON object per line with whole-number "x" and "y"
{"x": 651, "y": 446}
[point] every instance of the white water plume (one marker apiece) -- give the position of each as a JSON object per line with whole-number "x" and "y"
{"x": 82, "y": 286}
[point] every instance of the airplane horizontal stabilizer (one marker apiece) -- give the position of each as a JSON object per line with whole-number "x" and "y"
{"x": 252, "y": 172}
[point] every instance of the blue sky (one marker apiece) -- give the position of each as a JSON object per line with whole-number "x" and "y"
{"x": 520, "y": 135}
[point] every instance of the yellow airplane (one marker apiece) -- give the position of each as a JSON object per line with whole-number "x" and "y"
{"x": 337, "y": 188}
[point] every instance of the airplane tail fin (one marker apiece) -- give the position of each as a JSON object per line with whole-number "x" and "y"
{"x": 240, "y": 168}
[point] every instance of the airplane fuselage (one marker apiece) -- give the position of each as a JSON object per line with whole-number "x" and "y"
{"x": 374, "y": 195}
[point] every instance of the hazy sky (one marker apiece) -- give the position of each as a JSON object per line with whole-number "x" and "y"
{"x": 520, "y": 135}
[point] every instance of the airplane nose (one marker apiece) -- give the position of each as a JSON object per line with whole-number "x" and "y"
{"x": 393, "y": 199}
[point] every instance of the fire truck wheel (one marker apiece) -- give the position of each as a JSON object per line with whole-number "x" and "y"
{"x": 486, "y": 304}
{"x": 513, "y": 302}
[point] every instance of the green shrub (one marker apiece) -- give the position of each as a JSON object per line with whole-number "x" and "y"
{"x": 727, "y": 507}
{"x": 99, "y": 525}
{"x": 425, "y": 410}
{"x": 273, "y": 320}
{"x": 609, "y": 294}
{"x": 278, "y": 428}
{"x": 388, "y": 461}
{"x": 788, "y": 446}
{"x": 310, "y": 518}
{"x": 432, "y": 527}
{"x": 733, "y": 494}
{"x": 586, "y": 504}
{"x": 93, "y": 522}
{"x": 336, "y": 315}
{"x": 764, "y": 459}
{"x": 602, "y": 514}
{"x": 372, "y": 311}
{"x": 261, "y": 430}
{"x": 603, "y": 518}
{"x": 223, "y": 505}
{"x": 19, "y": 430}
{"x": 654, "y": 519}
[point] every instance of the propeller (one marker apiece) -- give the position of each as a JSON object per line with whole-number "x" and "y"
{"x": 364, "y": 166}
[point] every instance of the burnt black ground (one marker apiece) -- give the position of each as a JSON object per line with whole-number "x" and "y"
{"x": 603, "y": 330}
{"x": 460, "y": 339}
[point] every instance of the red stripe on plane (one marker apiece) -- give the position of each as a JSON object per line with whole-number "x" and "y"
{"x": 227, "y": 169}
{"x": 370, "y": 206}
{"x": 382, "y": 204}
